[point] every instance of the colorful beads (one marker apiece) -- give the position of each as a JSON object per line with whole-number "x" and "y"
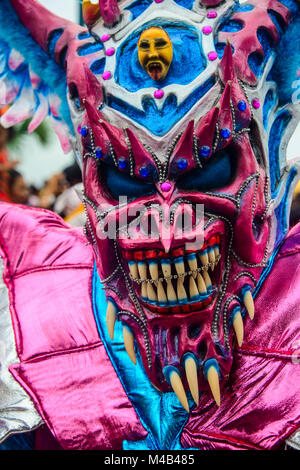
{"x": 166, "y": 186}
{"x": 182, "y": 163}
{"x": 225, "y": 133}
{"x": 207, "y": 29}
{"x": 144, "y": 171}
{"x": 212, "y": 55}
{"x": 98, "y": 152}
{"x": 159, "y": 94}
{"x": 106, "y": 75}
{"x": 110, "y": 51}
{"x": 205, "y": 151}
{"x": 256, "y": 103}
{"x": 122, "y": 163}
{"x": 242, "y": 105}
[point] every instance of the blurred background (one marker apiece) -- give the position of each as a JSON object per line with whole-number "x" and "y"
{"x": 41, "y": 159}
{"x": 44, "y": 175}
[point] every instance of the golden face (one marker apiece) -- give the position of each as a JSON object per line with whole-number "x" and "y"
{"x": 155, "y": 52}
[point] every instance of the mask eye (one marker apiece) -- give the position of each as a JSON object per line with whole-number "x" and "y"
{"x": 144, "y": 45}
{"x": 121, "y": 184}
{"x": 217, "y": 173}
{"x": 160, "y": 43}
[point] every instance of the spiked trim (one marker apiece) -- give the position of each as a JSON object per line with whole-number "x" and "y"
{"x": 245, "y": 42}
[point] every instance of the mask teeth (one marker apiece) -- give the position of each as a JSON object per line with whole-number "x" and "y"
{"x": 191, "y": 366}
{"x": 171, "y": 282}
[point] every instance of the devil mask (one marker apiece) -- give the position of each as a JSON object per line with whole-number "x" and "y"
{"x": 197, "y": 134}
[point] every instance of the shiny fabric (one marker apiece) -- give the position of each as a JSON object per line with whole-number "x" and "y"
{"x": 17, "y": 412}
{"x": 160, "y": 413}
{"x": 63, "y": 364}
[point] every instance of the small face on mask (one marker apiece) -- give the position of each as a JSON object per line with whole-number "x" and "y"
{"x": 155, "y": 52}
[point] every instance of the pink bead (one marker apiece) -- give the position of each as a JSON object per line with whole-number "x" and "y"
{"x": 106, "y": 75}
{"x": 166, "y": 186}
{"x": 212, "y": 14}
{"x": 79, "y": 129}
{"x": 110, "y": 51}
{"x": 207, "y": 29}
{"x": 159, "y": 94}
{"x": 158, "y": 1}
{"x": 256, "y": 103}
{"x": 212, "y": 55}
{"x": 105, "y": 37}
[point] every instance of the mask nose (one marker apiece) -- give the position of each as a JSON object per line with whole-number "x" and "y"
{"x": 181, "y": 225}
{"x": 153, "y": 54}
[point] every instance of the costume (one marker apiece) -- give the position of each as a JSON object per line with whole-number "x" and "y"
{"x": 156, "y": 334}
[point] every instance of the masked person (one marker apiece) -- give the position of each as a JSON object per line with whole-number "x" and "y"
{"x": 158, "y": 334}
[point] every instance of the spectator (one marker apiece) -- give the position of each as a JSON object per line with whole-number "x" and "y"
{"x": 18, "y": 190}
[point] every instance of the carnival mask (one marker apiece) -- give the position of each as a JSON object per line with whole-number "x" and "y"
{"x": 155, "y": 52}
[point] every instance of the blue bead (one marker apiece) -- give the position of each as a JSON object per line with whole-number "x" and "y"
{"x": 84, "y": 131}
{"x": 182, "y": 163}
{"x": 225, "y": 133}
{"x": 144, "y": 171}
{"x": 205, "y": 151}
{"x": 242, "y": 105}
{"x": 98, "y": 152}
{"x": 122, "y": 163}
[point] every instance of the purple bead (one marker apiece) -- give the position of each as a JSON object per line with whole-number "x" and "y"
{"x": 106, "y": 75}
{"x": 144, "y": 171}
{"x": 256, "y": 103}
{"x": 225, "y": 133}
{"x": 166, "y": 186}
{"x": 158, "y": 1}
{"x": 212, "y": 14}
{"x": 84, "y": 131}
{"x": 79, "y": 129}
{"x": 182, "y": 163}
{"x": 110, "y": 51}
{"x": 105, "y": 37}
{"x": 207, "y": 29}
{"x": 242, "y": 105}
{"x": 205, "y": 151}
{"x": 159, "y": 94}
{"x": 212, "y": 55}
{"x": 122, "y": 163}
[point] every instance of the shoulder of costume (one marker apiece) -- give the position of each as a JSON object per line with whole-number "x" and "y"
{"x": 33, "y": 238}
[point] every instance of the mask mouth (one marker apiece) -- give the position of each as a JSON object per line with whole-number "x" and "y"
{"x": 178, "y": 282}
{"x": 155, "y": 70}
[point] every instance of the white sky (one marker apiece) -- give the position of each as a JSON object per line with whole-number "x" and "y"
{"x": 39, "y": 163}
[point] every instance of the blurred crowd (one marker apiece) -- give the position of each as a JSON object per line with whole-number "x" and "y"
{"x": 59, "y": 194}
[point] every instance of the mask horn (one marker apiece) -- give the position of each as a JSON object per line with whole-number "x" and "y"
{"x": 108, "y": 9}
